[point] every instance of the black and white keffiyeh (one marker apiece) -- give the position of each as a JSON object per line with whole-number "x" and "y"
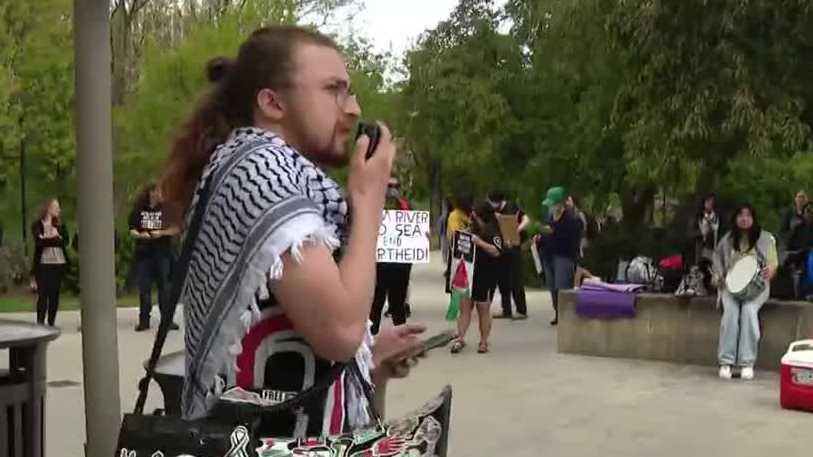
{"x": 265, "y": 199}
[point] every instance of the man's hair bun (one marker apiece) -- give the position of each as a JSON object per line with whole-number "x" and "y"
{"x": 218, "y": 68}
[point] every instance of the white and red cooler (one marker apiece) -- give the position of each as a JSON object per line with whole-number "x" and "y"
{"x": 796, "y": 390}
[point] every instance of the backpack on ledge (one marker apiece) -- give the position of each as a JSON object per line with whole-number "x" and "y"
{"x": 642, "y": 270}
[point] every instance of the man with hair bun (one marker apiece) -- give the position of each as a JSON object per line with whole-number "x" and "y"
{"x": 269, "y": 304}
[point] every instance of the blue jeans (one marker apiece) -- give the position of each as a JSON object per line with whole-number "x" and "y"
{"x": 739, "y": 329}
{"x": 559, "y": 272}
{"x": 153, "y": 268}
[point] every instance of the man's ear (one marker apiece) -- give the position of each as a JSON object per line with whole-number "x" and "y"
{"x": 270, "y": 104}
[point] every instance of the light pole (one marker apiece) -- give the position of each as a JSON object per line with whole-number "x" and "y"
{"x": 96, "y": 263}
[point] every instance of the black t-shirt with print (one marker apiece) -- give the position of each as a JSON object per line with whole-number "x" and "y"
{"x": 484, "y": 263}
{"x": 150, "y": 219}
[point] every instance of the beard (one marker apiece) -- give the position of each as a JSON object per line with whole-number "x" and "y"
{"x": 327, "y": 149}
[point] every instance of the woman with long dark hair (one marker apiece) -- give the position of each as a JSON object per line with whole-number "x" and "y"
{"x": 487, "y": 238}
{"x": 50, "y": 259}
{"x": 739, "y": 327}
{"x": 270, "y": 302}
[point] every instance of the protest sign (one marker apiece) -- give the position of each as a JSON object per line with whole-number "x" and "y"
{"x": 462, "y": 271}
{"x": 509, "y": 229}
{"x": 403, "y": 237}
{"x": 463, "y": 262}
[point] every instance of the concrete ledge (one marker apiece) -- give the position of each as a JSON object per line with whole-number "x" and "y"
{"x": 677, "y": 330}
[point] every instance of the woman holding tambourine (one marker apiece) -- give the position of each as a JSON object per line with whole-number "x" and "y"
{"x": 745, "y": 261}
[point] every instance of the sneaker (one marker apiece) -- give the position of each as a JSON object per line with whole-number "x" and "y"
{"x": 555, "y": 321}
{"x": 502, "y": 316}
{"x": 747, "y": 373}
{"x": 142, "y": 326}
{"x": 725, "y": 372}
{"x": 520, "y": 317}
{"x": 174, "y": 326}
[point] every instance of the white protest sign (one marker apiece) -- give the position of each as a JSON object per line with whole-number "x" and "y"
{"x": 403, "y": 237}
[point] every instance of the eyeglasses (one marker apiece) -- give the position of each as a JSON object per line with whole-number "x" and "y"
{"x": 342, "y": 91}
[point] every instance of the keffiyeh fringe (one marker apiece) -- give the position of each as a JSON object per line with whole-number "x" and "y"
{"x": 264, "y": 267}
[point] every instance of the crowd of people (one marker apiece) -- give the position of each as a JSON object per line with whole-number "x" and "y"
{"x": 290, "y": 275}
{"x": 153, "y": 257}
{"x": 560, "y": 245}
{"x": 783, "y": 269}
{"x": 717, "y": 245}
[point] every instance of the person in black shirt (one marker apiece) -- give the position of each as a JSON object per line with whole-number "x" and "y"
{"x": 572, "y": 204}
{"x": 486, "y": 263}
{"x": 559, "y": 245}
{"x": 509, "y": 279}
{"x": 791, "y": 219}
{"x": 392, "y": 279}
{"x": 153, "y": 254}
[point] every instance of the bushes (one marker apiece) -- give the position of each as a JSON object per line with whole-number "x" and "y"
{"x": 123, "y": 260}
{"x": 125, "y": 249}
{"x": 15, "y": 267}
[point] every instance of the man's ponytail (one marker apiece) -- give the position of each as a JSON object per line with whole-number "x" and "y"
{"x": 265, "y": 60}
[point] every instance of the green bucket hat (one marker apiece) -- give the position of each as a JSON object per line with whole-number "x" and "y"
{"x": 555, "y": 196}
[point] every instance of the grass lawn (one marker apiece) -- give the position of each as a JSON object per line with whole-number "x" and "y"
{"x": 24, "y": 302}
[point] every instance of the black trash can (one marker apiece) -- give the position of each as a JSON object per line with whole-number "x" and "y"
{"x": 169, "y": 374}
{"x": 23, "y": 387}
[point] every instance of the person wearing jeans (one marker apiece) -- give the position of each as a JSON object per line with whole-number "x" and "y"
{"x": 152, "y": 268}
{"x": 153, "y": 254}
{"x": 559, "y": 245}
{"x": 739, "y": 326}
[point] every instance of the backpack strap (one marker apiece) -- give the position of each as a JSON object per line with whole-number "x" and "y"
{"x": 175, "y": 293}
{"x": 163, "y": 329}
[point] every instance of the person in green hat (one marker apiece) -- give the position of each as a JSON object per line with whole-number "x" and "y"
{"x": 559, "y": 245}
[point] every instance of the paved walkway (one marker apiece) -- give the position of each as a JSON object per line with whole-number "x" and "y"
{"x": 522, "y": 399}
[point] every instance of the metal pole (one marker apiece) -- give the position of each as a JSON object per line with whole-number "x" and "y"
{"x": 96, "y": 225}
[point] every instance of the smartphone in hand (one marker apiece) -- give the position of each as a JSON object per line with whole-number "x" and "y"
{"x": 438, "y": 341}
{"x": 373, "y": 131}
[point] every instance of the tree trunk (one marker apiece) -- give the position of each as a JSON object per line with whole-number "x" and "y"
{"x": 636, "y": 205}
{"x": 436, "y": 190}
{"x": 23, "y": 202}
{"x": 119, "y": 42}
